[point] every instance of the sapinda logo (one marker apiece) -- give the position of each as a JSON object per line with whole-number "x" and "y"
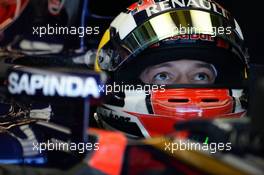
{"x": 51, "y": 85}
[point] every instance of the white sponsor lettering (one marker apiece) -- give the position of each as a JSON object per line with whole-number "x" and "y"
{"x": 195, "y": 4}
{"x": 50, "y": 85}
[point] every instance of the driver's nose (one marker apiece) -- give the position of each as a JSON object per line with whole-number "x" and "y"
{"x": 183, "y": 79}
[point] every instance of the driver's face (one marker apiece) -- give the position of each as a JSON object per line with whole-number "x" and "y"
{"x": 179, "y": 72}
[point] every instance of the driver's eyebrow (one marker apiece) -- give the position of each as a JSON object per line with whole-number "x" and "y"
{"x": 163, "y": 65}
{"x": 205, "y": 65}
{"x": 159, "y": 66}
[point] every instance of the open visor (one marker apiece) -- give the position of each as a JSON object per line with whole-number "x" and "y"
{"x": 169, "y": 25}
{"x": 9, "y": 11}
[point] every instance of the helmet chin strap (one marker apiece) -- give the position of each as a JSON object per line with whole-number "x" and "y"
{"x": 18, "y": 7}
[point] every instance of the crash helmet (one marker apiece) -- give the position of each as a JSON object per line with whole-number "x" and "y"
{"x": 153, "y": 32}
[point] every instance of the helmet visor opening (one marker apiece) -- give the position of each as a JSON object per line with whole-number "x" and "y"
{"x": 189, "y": 65}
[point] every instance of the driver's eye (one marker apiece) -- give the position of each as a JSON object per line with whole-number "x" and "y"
{"x": 201, "y": 77}
{"x": 161, "y": 76}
